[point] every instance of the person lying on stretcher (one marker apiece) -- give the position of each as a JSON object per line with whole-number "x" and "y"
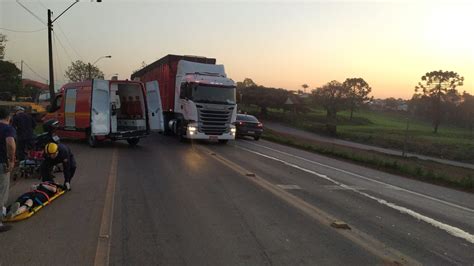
{"x": 39, "y": 195}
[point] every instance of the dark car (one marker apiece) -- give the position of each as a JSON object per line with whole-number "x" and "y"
{"x": 248, "y": 125}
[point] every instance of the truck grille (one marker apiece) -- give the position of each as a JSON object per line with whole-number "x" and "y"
{"x": 214, "y": 122}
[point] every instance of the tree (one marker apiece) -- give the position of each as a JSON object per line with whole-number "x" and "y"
{"x": 142, "y": 66}
{"x": 333, "y": 97}
{"x": 261, "y": 96}
{"x": 10, "y": 78}
{"x": 304, "y": 86}
{"x": 3, "y": 40}
{"x": 466, "y": 111}
{"x": 79, "y": 71}
{"x": 358, "y": 91}
{"x": 247, "y": 83}
{"x": 437, "y": 85}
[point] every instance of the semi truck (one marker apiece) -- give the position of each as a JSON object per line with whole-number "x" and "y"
{"x": 97, "y": 110}
{"x": 198, "y": 99}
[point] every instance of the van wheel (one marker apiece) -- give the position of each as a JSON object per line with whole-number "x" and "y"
{"x": 91, "y": 140}
{"x": 133, "y": 142}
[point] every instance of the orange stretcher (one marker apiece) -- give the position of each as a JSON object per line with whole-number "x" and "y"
{"x": 34, "y": 210}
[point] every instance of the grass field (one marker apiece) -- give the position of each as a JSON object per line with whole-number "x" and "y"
{"x": 428, "y": 171}
{"x": 385, "y": 129}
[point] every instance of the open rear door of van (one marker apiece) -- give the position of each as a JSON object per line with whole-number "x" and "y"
{"x": 100, "y": 108}
{"x": 155, "y": 110}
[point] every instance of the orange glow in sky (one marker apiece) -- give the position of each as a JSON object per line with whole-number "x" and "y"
{"x": 389, "y": 44}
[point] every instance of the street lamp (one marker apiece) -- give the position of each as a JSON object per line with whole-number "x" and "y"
{"x": 98, "y": 59}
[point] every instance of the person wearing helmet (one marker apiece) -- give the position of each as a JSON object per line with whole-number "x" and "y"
{"x": 58, "y": 154}
{"x": 24, "y": 125}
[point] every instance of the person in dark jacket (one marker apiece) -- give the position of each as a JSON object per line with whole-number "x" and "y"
{"x": 55, "y": 154}
{"x": 25, "y": 125}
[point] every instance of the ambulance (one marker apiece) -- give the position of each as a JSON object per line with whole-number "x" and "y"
{"x": 98, "y": 110}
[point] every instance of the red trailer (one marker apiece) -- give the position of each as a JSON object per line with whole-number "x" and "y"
{"x": 197, "y": 96}
{"x": 164, "y": 71}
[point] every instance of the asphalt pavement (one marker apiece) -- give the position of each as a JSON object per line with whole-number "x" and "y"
{"x": 245, "y": 203}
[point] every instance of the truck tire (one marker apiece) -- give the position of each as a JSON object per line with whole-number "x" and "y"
{"x": 181, "y": 135}
{"x": 133, "y": 142}
{"x": 91, "y": 140}
{"x": 223, "y": 141}
{"x": 167, "y": 131}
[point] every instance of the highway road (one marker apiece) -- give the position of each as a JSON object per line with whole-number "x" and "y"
{"x": 245, "y": 203}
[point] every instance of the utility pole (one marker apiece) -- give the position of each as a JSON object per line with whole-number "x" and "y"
{"x": 50, "y": 49}
{"x": 21, "y": 69}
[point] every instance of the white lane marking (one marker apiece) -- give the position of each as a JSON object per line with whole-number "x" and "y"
{"x": 289, "y": 187}
{"x": 446, "y": 227}
{"x": 336, "y": 187}
{"x": 369, "y": 179}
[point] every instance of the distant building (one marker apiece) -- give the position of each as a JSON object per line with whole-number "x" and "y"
{"x": 402, "y": 107}
{"x": 389, "y": 104}
{"x": 34, "y": 84}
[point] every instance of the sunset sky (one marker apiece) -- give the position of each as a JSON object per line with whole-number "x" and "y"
{"x": 390, "y": 44}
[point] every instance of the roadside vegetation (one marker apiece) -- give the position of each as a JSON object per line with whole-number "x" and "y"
{"x": 456, "y": 177}
{"x": 383, "y": 129}
{"x": 438, "y": 121}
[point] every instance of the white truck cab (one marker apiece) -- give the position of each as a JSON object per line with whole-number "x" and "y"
{"x": 205, "y": 98}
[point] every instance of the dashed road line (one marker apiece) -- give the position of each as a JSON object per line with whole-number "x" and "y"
{"x": 388, "y": 255}
{"x": 454, "y": 231}
{"x": 289, "y": 187}
{"x": 365, "y": 178}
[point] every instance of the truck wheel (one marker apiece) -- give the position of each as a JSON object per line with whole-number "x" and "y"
{"x": 181, "y": 136}
{"x": 91, "y": 140}
{"x": 133, "y": 142}
{"x": 223, "y": 141}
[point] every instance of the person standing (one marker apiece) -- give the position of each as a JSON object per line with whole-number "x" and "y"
{"x": 25, "y": 125}
{"x": 7, "y": 161}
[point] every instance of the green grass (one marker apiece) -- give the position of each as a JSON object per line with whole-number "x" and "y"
{"x": 432, "y": 172}
{"x": 385, "y": 129}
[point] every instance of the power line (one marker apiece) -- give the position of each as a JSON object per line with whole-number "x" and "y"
{"x": 30, "y": 68}
{"x": 69, "y": 42}
{"x": 64, "y": 34}
{"x": 59, "y": 68}
{"x": 56, "y": 38}
{"x": 31, "y": 12}
{"x": 41, "y": 3}
{"x": 23, "y": 31}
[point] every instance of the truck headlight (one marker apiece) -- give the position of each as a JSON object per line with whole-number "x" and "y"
{"x": 192, "y": 129}
{"x": 233, "y": 130}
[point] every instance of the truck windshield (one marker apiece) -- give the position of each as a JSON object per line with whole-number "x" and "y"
{"x": 213, "y": 94}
